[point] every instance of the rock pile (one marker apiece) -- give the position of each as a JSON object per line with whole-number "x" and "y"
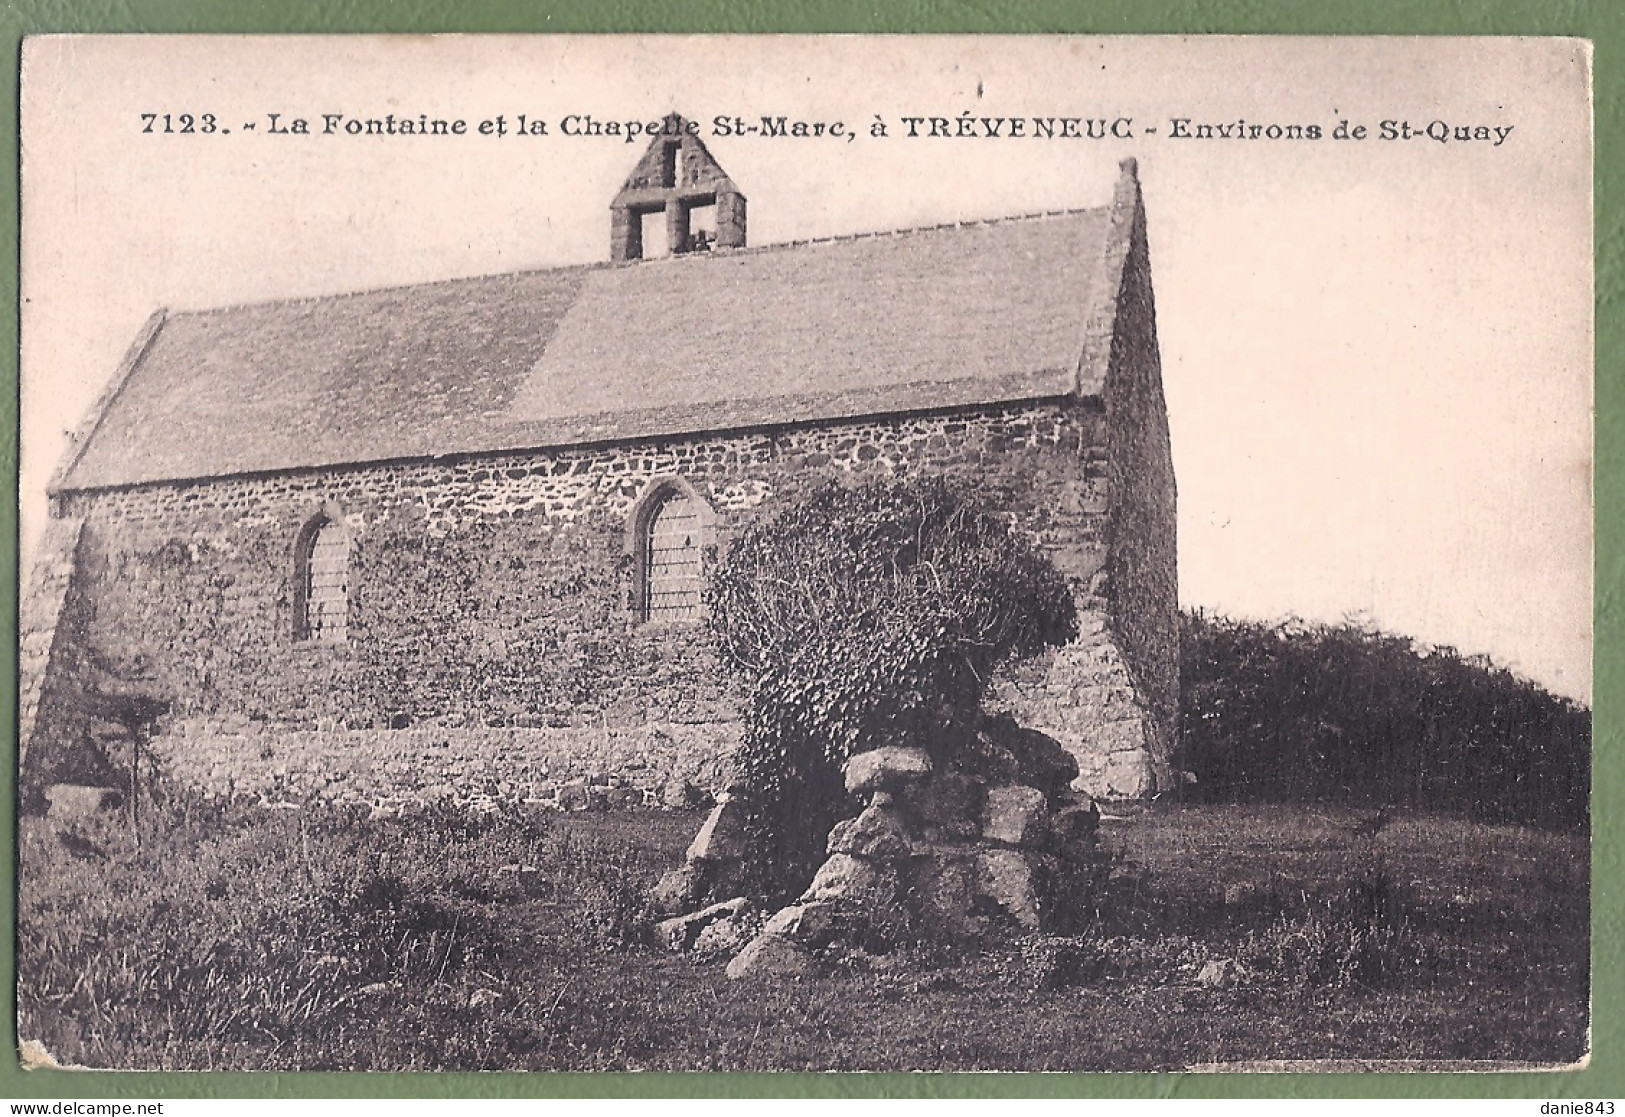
{"x": 719, "y": 861}
{"x": 988, "y": 841}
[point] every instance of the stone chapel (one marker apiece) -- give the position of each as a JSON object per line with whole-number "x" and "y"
{"x": 449, "y": 540}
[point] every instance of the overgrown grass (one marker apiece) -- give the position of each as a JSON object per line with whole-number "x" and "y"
{"x": 320, "y": 939}
{"x": 239, "y": 933}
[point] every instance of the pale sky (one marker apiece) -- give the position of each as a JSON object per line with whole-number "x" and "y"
{"x": 1377, "y": 353}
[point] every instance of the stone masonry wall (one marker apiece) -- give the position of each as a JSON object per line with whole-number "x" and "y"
{"x": 50, "y": 630}
{"x": 1143, "y": 528}
{"x": 492, "y": 593}
{"x": 1112, "y": 696}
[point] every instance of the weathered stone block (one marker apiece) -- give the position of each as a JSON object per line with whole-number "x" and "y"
{"x": 1045, "y": 763}
{"x": 886, "y": 769}
{"x": 814, "y": 924}
{"x": 852, "y": 881}
{"x": 948, "y": 806}
{"x": 770, "y": 956}
{"x": 679, "y": 932}
{"x": 1005, "y": 876}
{"x": 677, "y": 890}
{"x": 725, "y": 835}
{"x": 944, "y": 888}
{"x": 1015, "y": 815}
{"x": 724, "y": 938}
{"x": 1127, "y": 775}
{"x": 877, "y": 834}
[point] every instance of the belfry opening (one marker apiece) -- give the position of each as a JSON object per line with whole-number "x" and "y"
{"x": 677, "y": 200}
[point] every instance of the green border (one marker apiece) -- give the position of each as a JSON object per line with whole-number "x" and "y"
{"x": 1599, "y": 21}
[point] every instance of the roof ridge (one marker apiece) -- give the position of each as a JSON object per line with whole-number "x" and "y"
{"x": 902, "y": 231}
{"x": 603, "y": 265}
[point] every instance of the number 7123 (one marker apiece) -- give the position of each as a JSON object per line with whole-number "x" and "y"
{"x": 177, "y": 123}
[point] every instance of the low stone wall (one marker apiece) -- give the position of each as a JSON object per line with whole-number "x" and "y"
{"x": 568, "y": 768}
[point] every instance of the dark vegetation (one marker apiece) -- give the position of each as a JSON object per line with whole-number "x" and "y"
{"x": 1305, "y": 713}
{"x": 862, "y": 617}
{"x": 240, "y": 937}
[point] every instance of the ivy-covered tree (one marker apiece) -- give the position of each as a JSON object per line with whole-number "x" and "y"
{"x": 864, "y": 617}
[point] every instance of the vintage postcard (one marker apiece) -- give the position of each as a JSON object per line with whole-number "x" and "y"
{"x": 793, "y": 553}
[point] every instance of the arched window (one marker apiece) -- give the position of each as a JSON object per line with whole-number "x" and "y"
{"x": 322, "y": 583}
{"x": 666, "y": 537}
{"x": 672, "y": 574}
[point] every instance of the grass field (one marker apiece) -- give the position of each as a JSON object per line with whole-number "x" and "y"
{"x": 314, "y": 939}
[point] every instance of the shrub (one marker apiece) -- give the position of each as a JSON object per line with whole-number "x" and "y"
{"x": 1298, "y": 712}
{"x": 862, "y": 617}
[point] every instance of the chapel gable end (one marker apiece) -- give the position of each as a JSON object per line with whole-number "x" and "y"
{"x": 678, "y": 199}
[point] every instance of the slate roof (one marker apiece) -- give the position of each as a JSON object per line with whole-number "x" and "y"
{"x": 930, "y": 318}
